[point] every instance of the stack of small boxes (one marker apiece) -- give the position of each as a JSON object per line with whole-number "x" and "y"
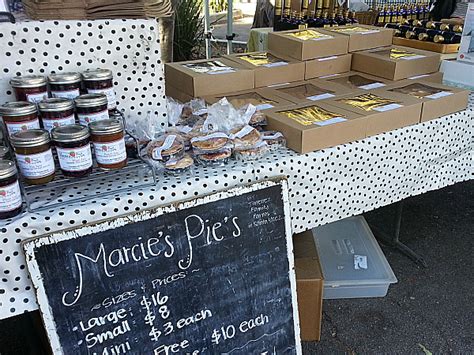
{"x": 326, "y": 86}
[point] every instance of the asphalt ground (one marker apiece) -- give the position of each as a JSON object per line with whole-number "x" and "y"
{"x": 428, "y": 310}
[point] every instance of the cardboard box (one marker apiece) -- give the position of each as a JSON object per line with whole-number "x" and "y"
{"x": 436, "y": 77}
{"x": 384, "y": 111}
{"x": 309, "y": 91}
{"x": 307, "y": 44}
{"x": 437, "y": 99}
{"x": 177, "y": 94}
{"x": 395, "y": 62}
{"x": 307, "y": 130}
{"x": 269, "y": 68}
{"x": 363, "y": 37}
{"x": 263, "y": 99}
{"x": 328, "y": 65}
{"x": 208, "y": 77}
{"x": 355, "y": 80}
{"x": 309, "y": 286}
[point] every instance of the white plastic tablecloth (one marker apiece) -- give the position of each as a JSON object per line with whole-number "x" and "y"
{"x": 325, "y": 186}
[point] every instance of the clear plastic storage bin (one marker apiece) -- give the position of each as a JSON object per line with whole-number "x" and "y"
{"x": 353, "y": 264}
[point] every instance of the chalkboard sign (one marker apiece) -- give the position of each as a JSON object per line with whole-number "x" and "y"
{"x": 211, "y": 275}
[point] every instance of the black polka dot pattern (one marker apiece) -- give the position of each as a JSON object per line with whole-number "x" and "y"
{"x": 131, "y": 49}
{"x": 325, "y": 186}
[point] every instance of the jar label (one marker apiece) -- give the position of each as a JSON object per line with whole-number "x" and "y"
{"x": 49, "y": 123}
{"x": 13, "y": 127}
{"x": 86, "y": 118}
{"x": 10, "y": 197}
{"x": 34, "y": 166}
{"x": 110, "y": 93}
{"x": 75, "y": 159}
{"x": 68, "y": 94}
{"x": 35, "y": 98}
{"x": 110, "y": 152}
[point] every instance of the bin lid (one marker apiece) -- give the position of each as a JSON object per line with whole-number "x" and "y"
{"x": 350, "y": 255}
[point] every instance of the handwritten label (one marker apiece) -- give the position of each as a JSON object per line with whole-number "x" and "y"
{"x": 327, "y": 58}
{"x": 330, "y": 121}
{"x": 372, "y": 86}
{"x": 320, "y": 97}
{"x": 388, "y": 107}
{"x": 439, "y": 95}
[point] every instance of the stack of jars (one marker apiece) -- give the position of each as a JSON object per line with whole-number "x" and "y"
{"x": 36, "y": 123}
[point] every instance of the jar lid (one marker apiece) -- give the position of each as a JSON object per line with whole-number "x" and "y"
{"x": 28, "y": 81}
{"x": 91, "y": 100}
{"x": 29, "y": 138}
{"x": 7, "y": 169}
{"x": 4, "y": 151}
{"x": 97, "y": 74}
{"x": 64, "y": 78}
{"x": 17, "y": 108}
{"x": 55, "y": 104}
{"x": 106, "y": 127}
{"x": 70, "y": 133}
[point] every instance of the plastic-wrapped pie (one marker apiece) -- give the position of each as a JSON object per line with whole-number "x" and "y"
{"x": 209, "y": 142}
{"x": 274, "y": 139}
{"x": 165, "y": 147}
{"x": 253, "y": 153}
{"x": 215, "y": 158}
{"x": 258, "y": 119}
{"x": 178, "y": 165}
{"x": 245, "y": 137}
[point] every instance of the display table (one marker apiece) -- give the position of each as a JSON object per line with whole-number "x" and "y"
{"x": 258, "y": 39}
{"x": 325, "y": 186}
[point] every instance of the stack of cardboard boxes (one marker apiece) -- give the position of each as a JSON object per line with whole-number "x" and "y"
{"x": 324, "y": 87}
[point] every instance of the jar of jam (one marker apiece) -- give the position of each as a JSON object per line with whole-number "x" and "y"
{"x": 109, "y": 143}
{"x": 65, "y": 85}
{"x": 74, "y": 150}
{"x": 19, "y": 116}
{"x": 34, "y": 156}
{"x": 10, "y": 193}
{"x": 55, "y": 112}
{"x": 100, "y": 81}
{"x": 32, "y": 88}
{"x": 91, "y": 108}
{"x": 5, "y": 153}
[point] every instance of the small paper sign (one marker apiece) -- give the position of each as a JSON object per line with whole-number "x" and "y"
{"x": 330, "y": 121}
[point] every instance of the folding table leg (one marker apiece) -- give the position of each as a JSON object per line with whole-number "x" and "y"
{"x": 394, "y": 238}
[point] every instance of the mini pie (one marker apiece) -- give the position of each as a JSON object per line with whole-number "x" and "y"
{"x": 176, "y": 147}
{"x": 251, "y": 137}
{"x": 273, "y": 138}
{"x": 178, "y": 164}
{"x": 210, "y": 157}
{"x": 210, "y": 144}
{"x": 258, "y": 118}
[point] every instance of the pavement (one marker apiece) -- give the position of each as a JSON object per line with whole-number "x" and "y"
{"x": 428, "y": 311}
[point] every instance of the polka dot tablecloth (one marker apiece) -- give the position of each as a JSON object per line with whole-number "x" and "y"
{"x": 325, "y": 186}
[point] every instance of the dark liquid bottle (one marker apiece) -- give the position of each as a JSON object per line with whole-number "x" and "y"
{"x": 457, "y": 28}
{"x": 352, "y": 18}
{"x": 304, "y": 10}
{"x": 277, "y": 16}
{"x": 325, "y": 21}
{"x": 447, "y": 38}
{"x": 414, "y": 32}
{"x": 428, "y": 35}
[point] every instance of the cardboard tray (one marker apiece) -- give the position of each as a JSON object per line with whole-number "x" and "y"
{"x": 427, "y": 46}
{"x": 445, "y": 101}
{"x": 404, "y": 112}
